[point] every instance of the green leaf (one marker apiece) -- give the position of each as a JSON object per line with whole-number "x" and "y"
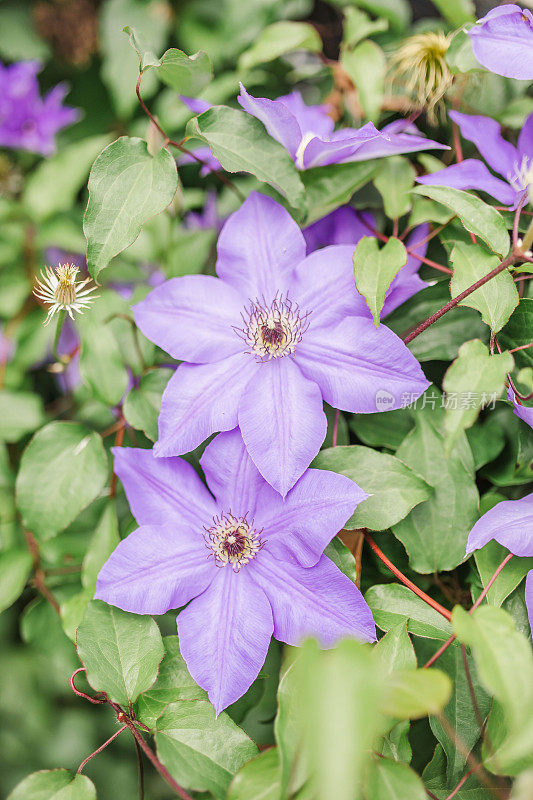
{"x": 61, "y": 471}
{"x": 518, "y": 332}
{"x": 173, "y": 683}
{"x": 435, "y": 532}
{"x": 19, "y": 41}
{"x": 375, "y": 268}
{"x": 410, "y": 694}
{"x": 460, "y": 55}
{"x": 15, "y": 567}
{"x": 327, "y": 188}
{"x": 395, "y": 649}
{"x": 127, "y": 186}
{"x": 459, "y": 711}
{"x": 120, "y": 65}
{"x": 101, "y": 362}
{"x": 477, "y": 217}
{"x": 397, "y": 12}
{"x": 366, "y": 66}
{"x": 475, "y": 379}
{"x": 392, "y": 780}
{"x": 120, "y": 651}
{"x": 497, "y": 299}
{"x": 241, "y": 144}
{"x": 278, "y": 39}
{"x": 258, "y": 779}
{"x": 392, "y": 604}
{"x": 143, "y": 402}
{"x": 393, "y": 487}
{"x": 456, "y": 12}
{"x": 342, "y": 557}
{"x": 358, "y": 26}
{"x": 201, "y": 751}
{"x": 394, "y": 182}
{"x": 488, "y": 559}
{"x": 54, "y": 784}
{"x": 55, "y": 183}
{"x": 103, "y": 542}
{"x": 20, "y": 413}
{"x": 187, "y": 75}
{"x": 336, "y": 715}
{"x": 505, "y": 666}
{"x": 382, "y": 430}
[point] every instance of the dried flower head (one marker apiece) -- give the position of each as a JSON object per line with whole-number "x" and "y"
{"x": 60, "y": 290}
{"x": 420, "y": 67}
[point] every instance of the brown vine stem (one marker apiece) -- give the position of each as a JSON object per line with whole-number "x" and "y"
{"x": 179, "y": 145}
{"x": 99, "y": 749}
{"x": 507, "y": 262}
{"x": 410, "y": 585}
{"x": 38, "y": 572}
{"x": 478, "y": 602}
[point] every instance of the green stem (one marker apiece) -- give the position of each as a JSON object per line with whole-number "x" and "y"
{"x": 59, "y": 327}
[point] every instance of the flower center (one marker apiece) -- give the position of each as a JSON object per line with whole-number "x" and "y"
{"x": 273, "y": 331}
{"x": 233, "y": 541}
{"x": 522, "y": 176}
{"x": 65, "y": 291}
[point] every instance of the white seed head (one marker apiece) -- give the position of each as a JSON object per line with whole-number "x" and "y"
{"x": 59, "y": 290}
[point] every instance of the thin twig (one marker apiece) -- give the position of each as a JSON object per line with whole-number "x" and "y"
{"x": 38, "y": 572}
{"x": 99, "y": 750}
{"x": 141, "y": 768}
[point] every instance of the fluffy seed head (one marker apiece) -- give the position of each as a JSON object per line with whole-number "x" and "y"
{"x": 232, "y": 540}
{"x": 59, "y": 289}
{"x": 420, "y": 67}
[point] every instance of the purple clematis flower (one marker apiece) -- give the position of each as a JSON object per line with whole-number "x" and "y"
{"x": 525, "y": 413}
{"x": 27, "y": 121}
{"x": 307, "y": 133}
{"x": 503, "y": 41}
{"x": 511, "y": 524}
{"x": 345, "y": 225}
{"x": 206, "y": 218}
{"x": 512, "y": 163}
{"x": 250, "y": 563}
{"x": 267, "y": 342}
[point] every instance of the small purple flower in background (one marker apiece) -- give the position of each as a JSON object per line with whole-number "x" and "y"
{"x": 28, "y": 121}
{"x": 511, "y": 524}
{"x": 524, "y": 412}
{"x": 307, "y": 133}
{"x": 267, "y": 342}
{"x": 514, "y": 164}
{"x": 206, "y": 218}
{"x": 345, "y": 225}
{"x": 251, "y": 564}
{"x": 502, "y": 41}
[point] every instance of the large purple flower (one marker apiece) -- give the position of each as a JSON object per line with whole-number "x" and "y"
{"x": 345, "y": 225}
{"x": 250, "y": 562}
{"x": 511, "y": 524}
{"x": 27, "y": 121}
{"x": 267, "y": 342}
{"x": 503, "y": 41}
{"x": 512, "y": 163}
{"x": 307, "y": 132}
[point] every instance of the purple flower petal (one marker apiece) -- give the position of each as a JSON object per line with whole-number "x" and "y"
{"x": 235, "y": 489}
{"x": 320, "y": 601}
{"x": 162, "y": 490}
{"x": 471, "y": 174}
{"x": 389, "y": 143}
{"x": 345, "y": 225}
{"x": 276, "y": 117}
{"x": 485, "y": 133}
{"x": 510, "y": 523}
{"x": 199, "y": 400}
{"x": 524, "y": 412}
{"x": 360, "y": 368}
{"x": 313, "y": 119}
{"x": 313, "y": 512}
{"x": 224, "y": 636}
{"x": 525, "y": 140}
{"x": 343, "y": 145}
{"x": 323, "y": 284}
{"x": 258, "y": 248}
{"x": 192, "y": 318}
{"x": 282, "y": 422}
{"x": 503, "y": 42}
{"x": 195, "y": 104}
{"x": 157, "y": 567}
